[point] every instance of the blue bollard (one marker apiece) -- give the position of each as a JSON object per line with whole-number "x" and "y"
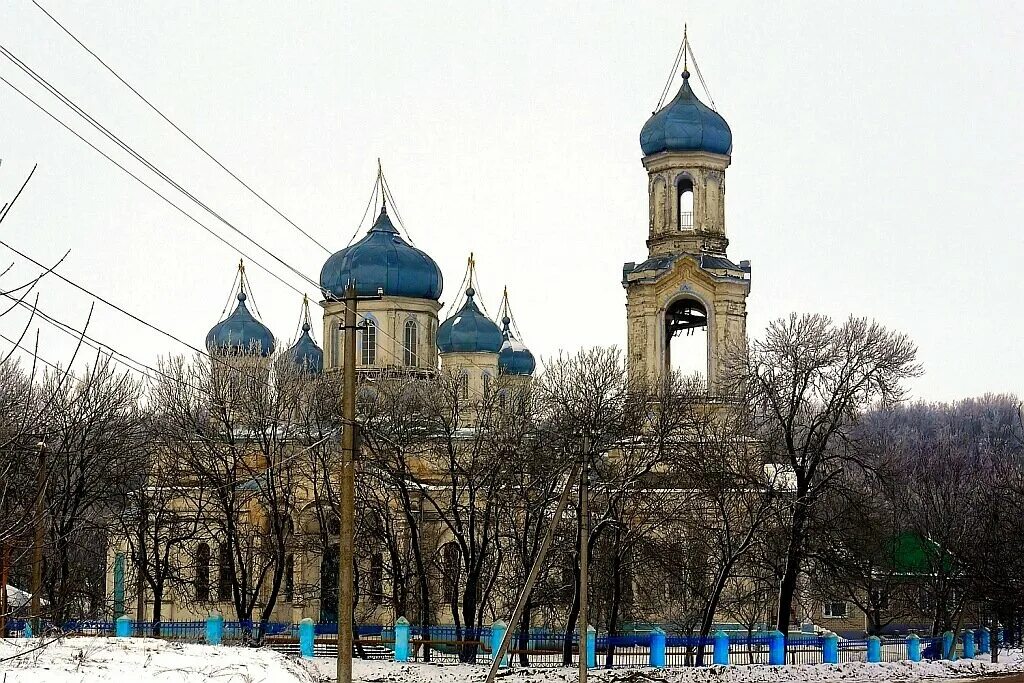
{"x": 830, "y": 648}
{"x": 214, "y": 628}
{"x": 591, "y": 647}
{"x": 498, "y": 629}
{"x": 776, "y": 648}
{"x": 874, "y": 650}
{"x": 402, "y": 640}
{"x": 984, "y": 643}
{"x": 948, "y": 646}
{"x": 307, "y": 631}
{"x": 658, "y": 648}
{"x": 27, "y": 631}
{"x": 721, "y": 648}
{"x": 123, "y": 627}
{"x": 914, "y": 647}
{"x": 969, "y": 644}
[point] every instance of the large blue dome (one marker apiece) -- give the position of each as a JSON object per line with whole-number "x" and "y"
{"x": 514, "y": 358}
{"x": 240, "y": 333}
{"x": 469, "y": 330}
{"x": 686, "y": 125}
{"x": 382, "y": 260}
{"x": 306, "y": 354}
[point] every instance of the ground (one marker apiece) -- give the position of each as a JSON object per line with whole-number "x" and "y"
{"x": 132, "y": 660}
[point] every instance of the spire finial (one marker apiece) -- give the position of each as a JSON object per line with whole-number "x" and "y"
{"x": 686, "y": 51}
{"x": 241, "y": 280}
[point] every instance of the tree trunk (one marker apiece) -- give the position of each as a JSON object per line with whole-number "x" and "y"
{"x": 524, "y": 632}
{"x": 794, "y": 557}
{"x": 708, "y": 618}
{"x": 570, "y": 622}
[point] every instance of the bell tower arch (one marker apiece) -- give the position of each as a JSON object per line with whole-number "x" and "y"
{"x": 688, "y": 287}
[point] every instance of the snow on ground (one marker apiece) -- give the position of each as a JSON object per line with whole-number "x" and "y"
{"x": 390, "y": 672}
{"x": 144, "y": 660}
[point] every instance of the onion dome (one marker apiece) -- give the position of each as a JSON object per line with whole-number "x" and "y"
{"x": 514, "y": 358}
{"x": 382, "y": 260}
{"x": 306, "y": 354}
{"x": 240, "y": 333}
{"x": 686, "y": 125}
{"x": 469, "y": 330}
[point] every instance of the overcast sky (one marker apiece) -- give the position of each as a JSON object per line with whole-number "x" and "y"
{"x": 877, "y": 163}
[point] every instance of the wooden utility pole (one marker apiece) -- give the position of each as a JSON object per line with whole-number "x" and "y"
{"x": 348, "y": 494}
{"x": 37, "y": 549}
{"x": 140, "y": 572}
{"x": 584, "y": 574}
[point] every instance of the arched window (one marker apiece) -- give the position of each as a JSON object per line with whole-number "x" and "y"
{"x": 203, "y": 572}
{"x": 335, "y": 343}
{"x": 224, "y": 572}
{"x": 464, "y": 385}
{"x": 487, "y": 386}
{"x": 289, "y": 578}
{"x": 686, "y": 338}
{"x": 412, "y": 338}
{"x": 684, "y": 200}
{"x": 376, "y": 579}
{"x": 450, "y": 558}
{"x": 368, "y": 342}
{"x": 502, "y": 398}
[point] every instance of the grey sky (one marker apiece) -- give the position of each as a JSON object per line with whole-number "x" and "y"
{"x": 876, "y": 164}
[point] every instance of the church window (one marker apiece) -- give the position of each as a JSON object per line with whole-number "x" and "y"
{"x": 450, "y": 556}
{"x": 203, "y": 572}
{"x": 368, "y": 355}
{"x": 224, "y": 572}
{"x": 289, "y": 578}
{"x": 487, "y": 386}
{"x": 464, "y": 386}
{"x": 376, "y": 579}
{"x": 686, "y": 338}
{"x": 412, "y": 334}
{"x": 684, "y": 200}
{"x": 335, "y": 344}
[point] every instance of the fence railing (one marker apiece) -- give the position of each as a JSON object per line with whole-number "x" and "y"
{"x": 544, "y": 647}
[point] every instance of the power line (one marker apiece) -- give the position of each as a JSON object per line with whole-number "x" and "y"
{"x": 148, "y": 187}
{"x": 178, "y": 128}
{"x": 143, "y": 160}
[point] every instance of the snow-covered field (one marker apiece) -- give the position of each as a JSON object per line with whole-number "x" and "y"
{"x": 131, "y": 660}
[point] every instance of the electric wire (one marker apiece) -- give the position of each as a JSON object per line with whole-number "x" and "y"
{"x": 179, "y": 129}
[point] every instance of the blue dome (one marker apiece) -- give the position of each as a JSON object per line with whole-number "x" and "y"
{"x": 382, "y": 260}
{"x": 306, "y": 354}
{"x": 240, "y": 333}
{"x": 686, "y": 125}
{"x": 468, "y": 330}
{"x": 514, "y": 358}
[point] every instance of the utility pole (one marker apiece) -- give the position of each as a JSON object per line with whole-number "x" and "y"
{"x": 584, "y": 574}
{"x": 37, "y": 550}
{"x": 346, "y": 541}
{"x": 140, "y": 571}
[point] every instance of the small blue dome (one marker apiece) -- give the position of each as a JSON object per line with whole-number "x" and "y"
{"x": 468, "y": 330}
{"x": 514, "y": 358}
{"x": 306, "y": 354}
{"x": 240, "y": 333}
{"x": 686, "y": 125}
{"x": 382, "y": 260}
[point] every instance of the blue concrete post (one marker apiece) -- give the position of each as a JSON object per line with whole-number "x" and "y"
{"x": 27, "y": 631}
{"x": 123, "y": 627}
{"x": 830, "y": 648}
{"x": 969, "y": 644}
{"x": 214, "y": 628}
{"x": 498, "y": 629}
{"x": 874, "y": 650}
{"x": 721, "y": 648}
{"x": 402, "y": 640}
{"x": 658, "y": 648}
{"x": 591, "y": 647}
{"x": 776, "y": 648}
{"x": 914, "y": 647}
{"x": 984, "y": 644}
{"x": 307, "y": 631}
{"x": 948, "y": 646}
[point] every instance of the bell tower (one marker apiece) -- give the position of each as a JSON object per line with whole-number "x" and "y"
{"x": 688, "y": 289}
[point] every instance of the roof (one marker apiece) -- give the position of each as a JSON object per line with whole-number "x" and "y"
{"x": 686, "y": 125}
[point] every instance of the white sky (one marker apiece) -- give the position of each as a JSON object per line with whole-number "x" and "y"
{"x": 876, "y": 165}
